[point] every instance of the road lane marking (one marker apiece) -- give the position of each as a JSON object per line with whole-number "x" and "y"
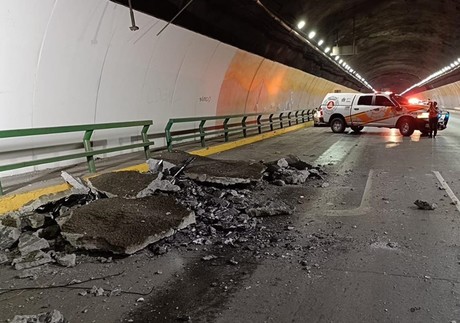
{"x": 448, "y": 190}
{"x": 367, "y": 188}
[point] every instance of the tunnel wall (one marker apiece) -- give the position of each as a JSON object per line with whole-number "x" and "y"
{"x": 447, "y": 96}
{"x": 67, "y": 62}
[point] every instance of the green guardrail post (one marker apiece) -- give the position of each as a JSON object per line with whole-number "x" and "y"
{"x": 202, "y": 133}
{"x": 296, "y": 115}
{"x": 281, "y": 119}
{"x": 88, "y": 148}
{"x": 289, "y": 118}
{"x": 145, "y": 140}
{"x": 308, "y": 114}
{"x": 1, "y": 189}
{"x": 303, "y": 116}
{"x": 270, "y": 118}
{"x": 259, "y": 124}
{"x": 226, "y": 129}
{"x": 243, "y": 125}
{"x": 168, "y": 135}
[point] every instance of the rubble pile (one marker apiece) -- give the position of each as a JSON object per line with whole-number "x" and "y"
{"x": 209, "y": 201}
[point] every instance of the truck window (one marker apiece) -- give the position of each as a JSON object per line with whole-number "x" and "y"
{"x": 365, "y": 100}
{"x": 381, "y": 100}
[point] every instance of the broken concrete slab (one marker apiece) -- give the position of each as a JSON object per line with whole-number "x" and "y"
{"x": 76, "y": 183}
{"x": 49, "y": 317}
{"x": 32, "y": 259}
{"x": 8, "y": 236}
{"x": 123, "y": 184}
{"x": 158, "y": 184}
{"x": 33, "y": 220}
{"x": 29, "y": 242}
{"x": 213, "y": 171}
{"x": 124, "y": 226}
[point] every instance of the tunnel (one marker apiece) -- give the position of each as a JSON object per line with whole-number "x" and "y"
{"x": 188, "y": 160}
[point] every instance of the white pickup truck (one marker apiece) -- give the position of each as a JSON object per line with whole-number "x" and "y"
{"x": 357, "y": 110}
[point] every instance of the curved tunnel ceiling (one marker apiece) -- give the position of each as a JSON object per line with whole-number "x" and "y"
{"x": 397, "y": 43}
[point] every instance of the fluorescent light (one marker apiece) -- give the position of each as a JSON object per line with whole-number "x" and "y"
{"x": 327, "y": 49}
{"x": 301, "y": 24}
{"x": 320, "y": 42}
{"x": 337, "y": 58}
{"x": 340, "y": 61}
{"x": 311, "y": 34}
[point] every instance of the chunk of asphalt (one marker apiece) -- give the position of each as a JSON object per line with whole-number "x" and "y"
{"x": 29, "y": 242}
{"x": 123, "y": 184}
{"x": 50, "y": 317}
{"x": 124, "y": 226}
{"x": 8, "y": 236}
{"x": 424, "y": 205}
{"x": 32, "y": 259}
{"x": 213, "y": 171}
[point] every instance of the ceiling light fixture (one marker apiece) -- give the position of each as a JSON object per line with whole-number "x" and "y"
{"x": 327, "y": 53}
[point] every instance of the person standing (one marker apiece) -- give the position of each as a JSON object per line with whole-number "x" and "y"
{"x": 433, "y": 112}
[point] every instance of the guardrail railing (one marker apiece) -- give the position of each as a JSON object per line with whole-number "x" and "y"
{"x": 253, "y": 122}
{"x": 88, "y": 152}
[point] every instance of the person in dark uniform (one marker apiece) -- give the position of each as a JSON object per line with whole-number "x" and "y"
{"x": 433, "y": 112}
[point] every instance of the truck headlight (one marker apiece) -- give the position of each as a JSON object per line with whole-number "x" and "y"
{"x": 423, "y": 115}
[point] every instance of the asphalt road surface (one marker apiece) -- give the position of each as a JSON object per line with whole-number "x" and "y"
{"x": 357, "y": 248}
{"x": 390, "y": 261}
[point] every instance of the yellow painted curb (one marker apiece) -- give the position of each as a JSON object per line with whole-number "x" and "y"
{"x": 10, "y": 203}
{"x": 246, "y": 141}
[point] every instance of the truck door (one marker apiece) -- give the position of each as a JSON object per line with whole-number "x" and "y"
{"x": 359, "y": 114}
{"x": 383, "y": 111}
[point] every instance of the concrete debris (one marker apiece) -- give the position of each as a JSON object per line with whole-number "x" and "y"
{"x": 424, "y": 205}
{"x": 158, "y": 185}
{"x": 49, "y": 317}
{"x": 66, "y": 260}
{"x": 29, "y": 242}
{"x": 33, "y": 220}
{"x": 207, "y": 258}
{"x": 325, "y": 185}
{"x": 32, "y": 259}
{"x": 11, "y": 220}
{"x": 290, "y": 170}
{"x": 76, "y": 183}
{"x": 271, "y": 209}
{"x": 159, "y": 165}
{"x": 8, "y": 236}
{"x": 4, "y": 258}
{"x": 226, "y": 210}
{"x": 96, "y": 291}
{"x": 124, "y": 226}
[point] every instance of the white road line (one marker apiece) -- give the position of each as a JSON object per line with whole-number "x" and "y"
{"x": 365, "y": 198}
{"x": 448, "y": 190}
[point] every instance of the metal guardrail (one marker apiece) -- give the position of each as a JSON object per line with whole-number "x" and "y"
{"x": 253, "y": 121}
{"x": 89, "y": 153}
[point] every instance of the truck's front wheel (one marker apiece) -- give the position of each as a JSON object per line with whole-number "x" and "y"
{"x": 338, "y": 125}
{"x": 406, "y": 127}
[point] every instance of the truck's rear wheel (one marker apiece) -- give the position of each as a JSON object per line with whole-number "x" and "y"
{"x": 357, "y": 128}
{"x": 406, "y": 127}
{"x": 338, "y": 125}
